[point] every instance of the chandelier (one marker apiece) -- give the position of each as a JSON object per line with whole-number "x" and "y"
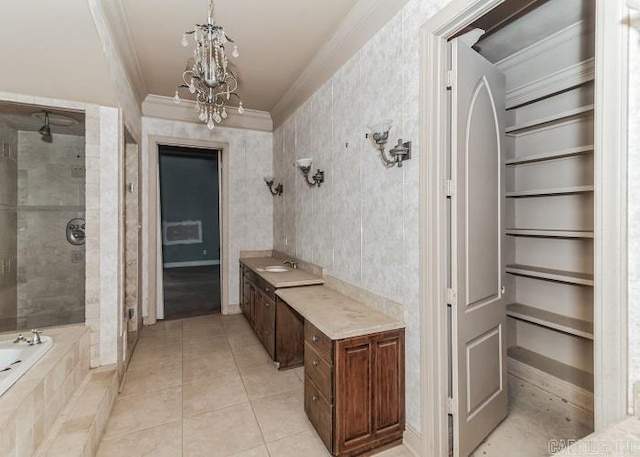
{"x": 208, "y": 75}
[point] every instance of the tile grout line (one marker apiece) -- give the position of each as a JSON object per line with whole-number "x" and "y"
{"x": 244, "y": 386}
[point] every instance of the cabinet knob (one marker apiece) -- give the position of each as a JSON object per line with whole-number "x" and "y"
{"x": 314, "y": 338}
{"x": 314, "y": 398}
{"x": 314, "y": 362}
{"x": 266, "y": 304}
{"x": 267, "y": 289}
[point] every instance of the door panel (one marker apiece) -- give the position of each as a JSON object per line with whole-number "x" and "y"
{"x": 479, "y": 386}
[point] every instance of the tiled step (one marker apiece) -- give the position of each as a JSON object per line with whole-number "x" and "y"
{"x": 78, "y": 430}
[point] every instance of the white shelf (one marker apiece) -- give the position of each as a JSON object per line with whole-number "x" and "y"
{"x": 545, "y": 156}
{"x": 543, "y": 121}
{"x": 551, "y": 233}
{"x": 576, "y": 327}
{"x": 547, "y": 192}
{"x": 567, "y": 373}
{"x": 549, "y": 274}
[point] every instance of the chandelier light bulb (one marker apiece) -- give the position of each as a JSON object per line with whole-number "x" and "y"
{"x": 176, "y": 99}
{"x": 208, "y": 75}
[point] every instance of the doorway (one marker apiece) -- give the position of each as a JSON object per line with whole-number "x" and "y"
{"x": 583, "y": 283}
{"x": 190, "y": 231}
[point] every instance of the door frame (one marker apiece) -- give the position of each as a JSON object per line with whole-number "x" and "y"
{"x": 154, "y": 240}
{"x": 610, "y": 244}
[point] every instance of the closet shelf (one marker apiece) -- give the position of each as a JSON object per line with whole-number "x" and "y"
{"x": 542, "y": 122}
{"x": 560, "y": 370}
{"x": 572, "y": 326}
{"x": 550, "y": 233}
{"x": 546, "y": 192}
{"x": 545, "y": 156}
{"x": 549, "y": 274}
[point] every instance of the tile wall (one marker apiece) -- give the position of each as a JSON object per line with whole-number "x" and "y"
{"x": 362, "y": 224}
{"x": 8, "y": 227}
{"x": 51, "y": 192}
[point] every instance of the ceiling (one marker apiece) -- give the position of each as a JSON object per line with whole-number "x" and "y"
{"x": 520, "y": 23}
{"x": 276, "y": 38}
{"x": 21, "y": 117}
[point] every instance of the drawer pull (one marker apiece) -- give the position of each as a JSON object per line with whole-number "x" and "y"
{"x": 267, "y": 289}
{"x": 267, "y": 305}
{"x": 314, "y": 398}
{"x": 314, "y": 362}
{"x": 314, "y": 338}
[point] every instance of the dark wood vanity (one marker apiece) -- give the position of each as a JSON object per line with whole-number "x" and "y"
{"x": 353, "y": 358}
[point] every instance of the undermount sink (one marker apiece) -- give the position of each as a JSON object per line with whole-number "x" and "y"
{"x": 276, "y": 269}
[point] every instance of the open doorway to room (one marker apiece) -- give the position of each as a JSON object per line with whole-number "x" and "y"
{"x": 190, "y": 230}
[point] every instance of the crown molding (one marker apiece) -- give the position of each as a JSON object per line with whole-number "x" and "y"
{"x": 362, "y": 22}
{"x": 165, "y": 108}
{"x": 118, "y": 21}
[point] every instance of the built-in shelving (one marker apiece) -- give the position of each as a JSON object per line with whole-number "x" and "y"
{"x": 551, "y": 233}
{"x": 542, "y": 122}
{"x": 547, "y": 192}
{"x": 559, "y": 322}
{"x": 567, "y": 373}
{"x": 551, "y": 155}
{"x": 550, "y": 274}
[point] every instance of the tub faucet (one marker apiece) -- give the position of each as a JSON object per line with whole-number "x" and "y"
{"x": 293, "y": 264}
{"x": 19, "y": 339}
{"x": 35, "y": 337}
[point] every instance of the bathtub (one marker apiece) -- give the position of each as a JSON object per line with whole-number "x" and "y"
{"x": 17, "y": 358}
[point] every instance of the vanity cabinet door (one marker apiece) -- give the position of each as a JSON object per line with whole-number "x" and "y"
{"x": 269, "y": 325}
{"x": 289, "y": 336}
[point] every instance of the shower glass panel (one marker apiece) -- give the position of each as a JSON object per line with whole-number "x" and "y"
{"x": 42, "y": 217}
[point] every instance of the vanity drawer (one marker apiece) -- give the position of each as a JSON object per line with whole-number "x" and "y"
{"x": 319, "y": 371}
{"x": 266, "y": 288}
{"x": 320, "y": 342}
{"x": 319, "y": 412}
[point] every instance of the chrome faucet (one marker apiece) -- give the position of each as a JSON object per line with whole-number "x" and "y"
{"x": 293, "y": 264}
{"x": 19, "y": 339}
{"x": 35, "y": 337}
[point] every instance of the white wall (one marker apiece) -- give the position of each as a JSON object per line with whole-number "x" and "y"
{"x": 634, "y": 205}
{"x": 362, "y": 224}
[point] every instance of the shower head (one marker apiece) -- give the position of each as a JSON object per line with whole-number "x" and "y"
{"x": 45, "y": 130}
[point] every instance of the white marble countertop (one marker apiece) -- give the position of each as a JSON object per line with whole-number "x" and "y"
{"x": 621, "y": 439}
{"x": 291, "y": 278}
{"x": 336, "y": 315}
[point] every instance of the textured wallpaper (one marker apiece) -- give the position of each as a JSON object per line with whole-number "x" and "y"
{"x": 362, "y": 224}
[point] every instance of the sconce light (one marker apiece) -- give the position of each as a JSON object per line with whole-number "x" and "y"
{"x": 305, "y": 167}
{"x": 274, "y": 191}
{"x": 399, "y": 153}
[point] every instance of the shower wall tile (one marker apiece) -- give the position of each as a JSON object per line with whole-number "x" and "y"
{"x": 8, "y": 227}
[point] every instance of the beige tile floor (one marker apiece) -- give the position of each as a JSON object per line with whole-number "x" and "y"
{"x": 205, "y": 387}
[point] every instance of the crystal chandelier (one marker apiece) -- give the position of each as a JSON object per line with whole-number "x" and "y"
{"x": 208, "y": 75}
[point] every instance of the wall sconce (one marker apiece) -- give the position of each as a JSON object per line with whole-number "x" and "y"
{"x": 274, "y": 191}
{"x": 305, "y": 167}
{"x": 399, "y": 153}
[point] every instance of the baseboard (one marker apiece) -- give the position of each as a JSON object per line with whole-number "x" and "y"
{"x": 556, "y": 386}
{"x": 233, "y": 309}
{"x": 412, "y": 440}
{"x": 195, "y": 263}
